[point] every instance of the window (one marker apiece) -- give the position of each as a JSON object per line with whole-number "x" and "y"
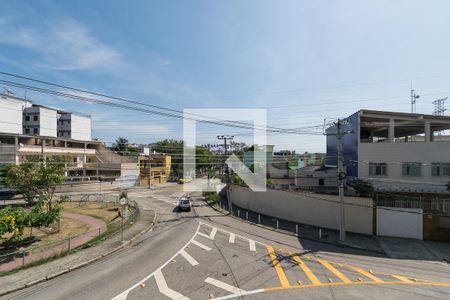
{"x": 440, "y": 169}
{"x": 377, "y": 169}
{"x": 35, "y": 130}
{"x": 35, "y": 118}
{"x": 68, "y": 121}
{"x": 27, "y": 118}
{"x": 412, "y": 169}
{"x": 27, "y": 130}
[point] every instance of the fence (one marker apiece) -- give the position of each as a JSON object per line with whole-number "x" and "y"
{"x": 303, "y": 230}
{"x": 34, "y": 255}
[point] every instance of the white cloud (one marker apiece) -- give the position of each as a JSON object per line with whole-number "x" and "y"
{"x": 63, "y": 44}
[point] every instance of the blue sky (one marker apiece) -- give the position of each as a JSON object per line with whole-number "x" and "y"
{"x": 303, "y": 60}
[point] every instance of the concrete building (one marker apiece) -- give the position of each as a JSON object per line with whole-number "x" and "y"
{"x": 85, "y": 160}
{"x": 74, "y": 126}
{"x": 395, "y": 151}
{"x": 11, "y": 112}
{"x": 160, "y": 168}
{"x": 39, "y": 120}
{"x": 28, "y": 130}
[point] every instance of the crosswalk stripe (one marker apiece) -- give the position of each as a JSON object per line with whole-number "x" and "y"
{"x": 367, "y": 274}
{"x": 252, "y": 245}
{"x": 200, "y": 245}
{"x": 304, "y": 267}
{"x": 278, "y": 268}
{"x": 189, "y": 258}
{"x": 212, "y": 235}
{"x": 232, "y": 237}
{"x": 225, "y": 286}
{"x": 164, "y": 289}
{"x": 334, "y": 271}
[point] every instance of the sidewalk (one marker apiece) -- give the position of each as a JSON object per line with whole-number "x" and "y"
{"x": 34, "y": 275}
{"x": 96, "y": 226}
{"x": 391, "y": 247}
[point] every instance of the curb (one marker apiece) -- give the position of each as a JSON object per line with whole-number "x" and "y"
{"x": 293, "y": 234}
{"x": 83, "y": 264}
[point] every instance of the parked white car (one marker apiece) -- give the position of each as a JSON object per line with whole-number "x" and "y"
{"x": 184, "y": 203}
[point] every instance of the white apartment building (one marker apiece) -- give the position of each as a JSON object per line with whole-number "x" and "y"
{"x": 39, "y": 120}
{"x": 395, "y": 151}
{"x": 11, "y": 112}
{"x": 74, "y": 126}
{"x": 28, "y": 130}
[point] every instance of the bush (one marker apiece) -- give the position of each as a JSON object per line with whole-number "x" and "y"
{"x": 212, "y": 197}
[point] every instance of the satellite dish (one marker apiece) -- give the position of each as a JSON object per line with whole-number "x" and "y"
{"x": 123, "y": 201}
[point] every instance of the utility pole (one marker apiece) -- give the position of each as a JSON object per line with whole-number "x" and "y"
{"x": 149, "y": 175}
{"x": 225, "y": 138}
{"x": 340, "y": 133}
{"x": 227, "y": 174}
{"x": 414, "y": 98}
{"x": 341, "y": 177}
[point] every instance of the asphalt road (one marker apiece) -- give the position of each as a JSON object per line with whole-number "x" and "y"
{"x": 203, "y": 254}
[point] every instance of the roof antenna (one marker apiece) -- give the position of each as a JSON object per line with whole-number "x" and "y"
{"x": 414, "y": 98}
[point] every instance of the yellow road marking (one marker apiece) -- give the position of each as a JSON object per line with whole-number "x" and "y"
{"x": 278, "y": 268}
{"x": 334, "y": 271}
{"x": 367, "y": 274}
{"x": 306, "y": 269}
{"x": 402, "y": 278}
{"x": 356, "y": 283}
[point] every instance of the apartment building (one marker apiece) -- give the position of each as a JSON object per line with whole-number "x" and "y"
{"x": 74, "y": 126}
{"x": 28, "y": 129}
{"x": 395, "y": 151}
{"x": 11, "y": 112}
{"x": 39, "y": 120}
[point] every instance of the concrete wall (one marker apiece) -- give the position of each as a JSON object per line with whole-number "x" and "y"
{"x": 129, "y": 174}
{"x": 400, "y": 222}
{"x": 312, "y": 209}
{"x": 78, "y": 127}
{"x": 81, "y": 128}
{"x": 11, "y": 111}
{"x": 395, "y": 153}
{"x": 48, "y": 122}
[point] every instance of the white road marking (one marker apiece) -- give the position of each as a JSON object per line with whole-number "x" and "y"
{"x": 228, "y": 232}
{"x": 251, "y": 244}
{"x": 189, "y": 258}
{"x": 232, "y": 237}
{"x": 225, "y": 286}
{"x": 165, "y": 290}
{"x": 124, "y": 294}
{"x": 203, "y": 235}
{"x": 200, "y": 245}
{"x": 243, "y": 294}
{"x": 212, "y": 235}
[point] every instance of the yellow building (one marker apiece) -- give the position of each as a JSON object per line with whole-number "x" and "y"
{"x": 160, "y": 169}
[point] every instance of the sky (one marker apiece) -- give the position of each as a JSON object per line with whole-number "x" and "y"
{"x": 302, "y": 61}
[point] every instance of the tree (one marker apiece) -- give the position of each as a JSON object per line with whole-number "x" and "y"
{"x": 120, "y": 145}
{"x": 363, "y": 188}
{"x": 175, "y": 149}
{"x": 36, "y": 179}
